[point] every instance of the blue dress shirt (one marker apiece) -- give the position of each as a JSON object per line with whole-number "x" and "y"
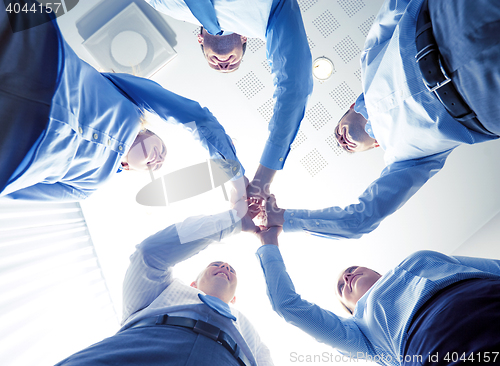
{"x": 93, "y": 122}
{"x": 382, "y": 316}
{"x": 408, "y": 121}
{"x": 279, "y": 23}
{"x": 150, "y": 289}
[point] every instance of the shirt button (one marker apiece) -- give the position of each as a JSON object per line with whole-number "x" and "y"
{"x": 95, "y": 136}
{"x": 292, "y": 214}
{"x": 120, "y": 147}
{"x": 109, "y": 142}
{"x": 80, "y": 130}
{"x": 235, "y": 168}
{"x": 281, "y": 159}
{"x": 317, "y": 223}
{"x": 291, "y": 221}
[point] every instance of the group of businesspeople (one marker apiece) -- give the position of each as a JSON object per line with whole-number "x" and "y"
{"x": 430, "y": 75}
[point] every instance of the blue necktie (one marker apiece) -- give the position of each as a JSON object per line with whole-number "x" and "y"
{"x": 217, "y": 305}
{"x": 204, "y": 11}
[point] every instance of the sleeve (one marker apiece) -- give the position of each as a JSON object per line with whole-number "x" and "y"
{"x": 291, "y": 63}
{"x": 386, "y": 22}
{"x": 396, "y": 185}
{"x": 50, "y": 192}
{"x": 483, "y": 264}
{"x": 150, "y": 270}
{"x": 321, "y": 324}
{"x": 172, "y": 108}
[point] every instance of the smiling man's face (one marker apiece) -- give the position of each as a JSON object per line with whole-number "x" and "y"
{"x": 223, "y": 53}
{"x": 351, "y": 135}
{"x": 353, "y": 283}
{"x": 218, "y": 279}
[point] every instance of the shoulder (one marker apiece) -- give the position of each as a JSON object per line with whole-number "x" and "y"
{"x": 425, "y": 258}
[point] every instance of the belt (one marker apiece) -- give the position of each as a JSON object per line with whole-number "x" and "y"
{"x": 197, "y": 326}
{"x": 436, "y": 78}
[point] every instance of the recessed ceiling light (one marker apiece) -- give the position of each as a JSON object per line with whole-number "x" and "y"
{"x": 322, "y": 68}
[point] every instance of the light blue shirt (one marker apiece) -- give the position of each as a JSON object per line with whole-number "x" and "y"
{"x": 408, "y": 121}
{"x": 150, "y": 289}
{"x": 383, "y": 315}
{"x": 279, "y": 23}
{"x": 93, "y": 122}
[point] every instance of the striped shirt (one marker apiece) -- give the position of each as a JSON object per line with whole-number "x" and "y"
{"x": 377, "y": 329}
{"x": 149, "y": 288}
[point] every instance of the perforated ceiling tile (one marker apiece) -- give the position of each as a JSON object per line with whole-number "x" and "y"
{"x": 347, "y": 49}
{"x": 366, "y": 25}
{"x": 299, "y": 139}
{"x": 250, "y": 85}
{"x": 314, "y": 162}
{"x": 358, "y": 74}
{"x": 351, "y": 7}
{"x": 343, "y": 96}
{"x": 334, "y": 145}
{"x": 196, "y": 31}
{"x": 305, "y": 5}
{"x": 254, "y": 44}
{"x": 266, "y": 110}
{"x": 311, "y": 43}
{"x": 326, "y": 23}
{"x": 265, "y": 63}
{"x": 318, "y": 115}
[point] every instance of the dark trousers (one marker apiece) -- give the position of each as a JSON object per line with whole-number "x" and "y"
{"x": 458, "y": 326}
{"x": 467, "y": 33}
{"x": 153, "y": 346}
{"x": 28, "y": 79}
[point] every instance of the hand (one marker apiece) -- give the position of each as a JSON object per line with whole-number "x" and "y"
{"x": 247, "y": 224}
{"x": 238, "y": 196}
{"x": 269, "y": 235}
{"x": 274, "y": 216}
{"x": 259, "y": 187}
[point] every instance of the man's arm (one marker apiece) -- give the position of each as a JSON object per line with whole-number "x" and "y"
{"x": 150, "y": 270}
{"x": 172, "y": 108}
{"x": 321, "y": 324}
{"x": 58, "y": 191}
{"x": 291, "y": 63}
{"x": 396, "y": 185}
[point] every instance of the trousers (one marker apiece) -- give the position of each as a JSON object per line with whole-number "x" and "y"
{"x": 466, "y": 32}
{"x": 457, "y": 326}
{"x": 153, "y": 346}
{"x": 29, "y": 66}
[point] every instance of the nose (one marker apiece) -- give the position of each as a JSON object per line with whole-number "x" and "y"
{"x": 347, "y": 277}
{"x": 224, "y": 265}
{"x": 224, "y": 65}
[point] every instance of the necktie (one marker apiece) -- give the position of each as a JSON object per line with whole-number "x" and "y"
{"x": 204, "y": 11}
{"x": 217, "y": 305}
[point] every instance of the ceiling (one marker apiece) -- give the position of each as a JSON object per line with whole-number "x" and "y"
{"x": 453, "y": 206}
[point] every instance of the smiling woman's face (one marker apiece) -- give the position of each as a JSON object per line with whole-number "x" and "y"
{"x": 353, "y": 283}
{"x": 147, "y": 153}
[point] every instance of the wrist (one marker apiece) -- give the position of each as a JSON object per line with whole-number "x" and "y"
{"x": 264, "y": 174}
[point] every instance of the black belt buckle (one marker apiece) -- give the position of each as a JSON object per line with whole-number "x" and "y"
{"x": 207, "y": 330}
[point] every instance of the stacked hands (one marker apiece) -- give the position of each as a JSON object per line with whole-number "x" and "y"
{"x": 254, "y": 204}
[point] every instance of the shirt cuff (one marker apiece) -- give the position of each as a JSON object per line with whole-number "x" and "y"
{"x": 274, "y": 156}
{"x": 268, "y": 253}
{"x": 294, "y": 220}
